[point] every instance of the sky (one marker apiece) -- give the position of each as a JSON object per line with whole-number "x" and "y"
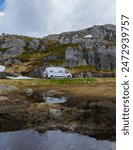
{"x": 43, "y": 17}
{"x": 1, "y": 2}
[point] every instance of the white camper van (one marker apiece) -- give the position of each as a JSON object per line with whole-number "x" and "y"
{"x": 2, "y": 68}
{"x": 56, "y": 72}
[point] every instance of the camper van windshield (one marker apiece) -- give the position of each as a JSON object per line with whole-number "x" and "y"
{"x": 66, "y": 71}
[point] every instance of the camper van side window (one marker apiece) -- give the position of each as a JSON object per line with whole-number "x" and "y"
{"x": 50, "y": 70}
{"x": 60, "y": 71}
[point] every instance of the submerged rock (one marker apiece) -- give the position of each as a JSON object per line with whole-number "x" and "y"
{"x": 28, "y": 91}
{"x": 55, "y": 113}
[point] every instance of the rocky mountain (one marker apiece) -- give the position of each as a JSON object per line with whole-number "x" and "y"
{"x": 87, "y": 52}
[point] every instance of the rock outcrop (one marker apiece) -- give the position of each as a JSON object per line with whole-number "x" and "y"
{"x": 7, "y": 89}
{"x": 95, "y": 46}
{"x": 95, "y": 58}
{"x": 105, "y": 32}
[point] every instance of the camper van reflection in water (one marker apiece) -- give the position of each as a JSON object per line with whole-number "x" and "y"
{"x": 51, "y": 99}
{"x": 56, "y": 72}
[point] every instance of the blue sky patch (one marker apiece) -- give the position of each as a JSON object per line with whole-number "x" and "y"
{"x": 1, "y": 2}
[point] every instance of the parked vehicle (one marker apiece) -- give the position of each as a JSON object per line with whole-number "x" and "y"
{"x": 56, "y": 72}
{"x": 2, "y": 68}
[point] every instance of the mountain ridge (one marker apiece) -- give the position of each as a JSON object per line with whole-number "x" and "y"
{"x": 87, "y": 51}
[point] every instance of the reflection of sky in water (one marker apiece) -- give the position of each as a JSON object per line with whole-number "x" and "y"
{"x": 50, "y": 99}
{"x": 51, "y": 140}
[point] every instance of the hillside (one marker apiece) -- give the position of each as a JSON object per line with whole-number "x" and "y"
{"x": 88, "y": 52}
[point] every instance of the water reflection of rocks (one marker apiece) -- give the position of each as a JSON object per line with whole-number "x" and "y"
{"x": 57, "y": 110}
{"x": 54, "y": 97}
{"x": 51, "y": 140}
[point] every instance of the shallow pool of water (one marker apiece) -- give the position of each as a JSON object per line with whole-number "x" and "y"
{"x": 51, "y": 140}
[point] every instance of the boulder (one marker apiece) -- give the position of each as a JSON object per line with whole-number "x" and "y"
{"x": 11, "y": 41}
{"x": 12, "y": 61}
{"x": 2, "y": 75}
{"x": 7, "y": 88}
{"x": 13, "y": 52}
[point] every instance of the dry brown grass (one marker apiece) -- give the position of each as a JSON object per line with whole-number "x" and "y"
{"x": 102, "y": 87}
{"x": 18, "y": 68}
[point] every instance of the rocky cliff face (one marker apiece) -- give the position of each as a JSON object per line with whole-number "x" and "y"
{"x": 105, "y": 32}
{"x": 92, "y": 49}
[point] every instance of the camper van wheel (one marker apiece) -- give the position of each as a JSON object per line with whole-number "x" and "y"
{"x": 51, "y": 77}
{"x": 68, "y": 76}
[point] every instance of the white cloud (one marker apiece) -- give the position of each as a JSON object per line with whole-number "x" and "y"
{"x": 2, "y": 14}
{"x": 42, "y": 17}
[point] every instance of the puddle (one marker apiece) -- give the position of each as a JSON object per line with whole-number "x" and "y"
{"x": 55, "y": 100}
{"x": 51, "y": 140}
{"x": 52, "y": 97}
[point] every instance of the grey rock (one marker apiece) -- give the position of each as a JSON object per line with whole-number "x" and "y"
{"x": 2, "y": 75}
{"x": 94, "y": 75}
{"x": 107, "y": 55}
{"x": 73, "y": 57}
{"x": 65, "y": 40}
{"x": 8, "y": 43}
{"x": 54, "y": 93}
{"x": 83, "y": 75}
{"x": 36, "y": 73}
{"x": 55, "y": 113}
{"x": 34, "y": 44}
{"x": 50, "y": 57}
{"x": 53, "y": 37}
{"x": 12, "y": 61}
{"x": 72, "y": 127}
{"x": 28, "y": 91}
{"x": 79, "y": 40}
{"x": 104, "y": 32}
{"x": 95, "y": 58}
{"x": 12, "y": 52}
{"x": 7, "y": 88}
{"x": 1, "y": 57}
{"x": 94, "y": 46}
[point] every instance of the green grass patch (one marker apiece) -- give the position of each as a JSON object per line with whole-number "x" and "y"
{"x": 72, "y": 81}
{"x": 43, "y": 82}
{"x": 26, "y": 38}
{"x": 54, "y": 48}
{"x": 110, "y": 43}
{"x": 56, "y": 62}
